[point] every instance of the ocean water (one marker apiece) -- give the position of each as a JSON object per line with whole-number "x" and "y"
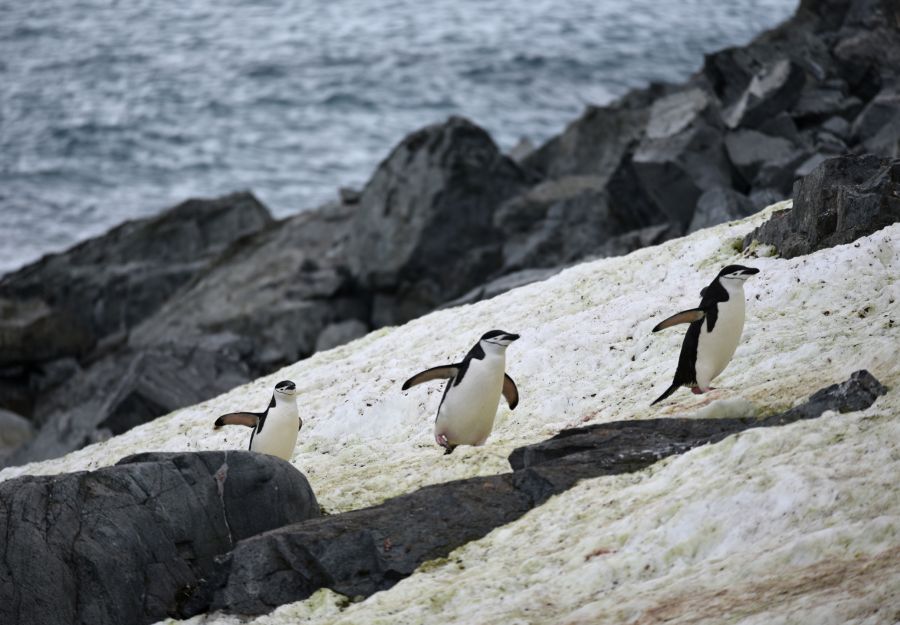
{"x": 111, "y": 110}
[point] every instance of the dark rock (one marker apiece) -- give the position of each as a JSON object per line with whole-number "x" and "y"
{"x": 597, "y": 142}
{"x": 15, "y": 431}
{"x": 820, "y": 103}
{"x": 878, "y": 127}
{"x": 773, "y": 89}
{"x": 555, "y": 223}
{"x": 113, "y": 281}
{"x": 719, "y": 205}
{"x": 682, "y": 153}
{"x": 637, "y": 239}
{"x": 362, "y": 552}
{"x": 750, "y": 150}
{"x": 806, "y": 167}
{"x": 762, "y": 198}
{"x": 782, "y": 125}
{"x": 31, "y": 331}
{"x": 340, "y": 333}
{"x": 123, "y": 391}
{"x": 349, "y": 196}
{"x": 131, "y": 543}
{"x": 440, "y": 186}
{"x": 843, "y": 199}
{"x": 838, "y": 126}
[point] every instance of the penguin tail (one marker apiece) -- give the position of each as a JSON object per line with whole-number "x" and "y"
{"x": 675, "y": 386}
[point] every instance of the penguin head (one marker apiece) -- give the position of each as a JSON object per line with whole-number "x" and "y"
{"x": 496, "y": 340}
{"x": 735, "y": 274}
{"x": 285, "y": 389}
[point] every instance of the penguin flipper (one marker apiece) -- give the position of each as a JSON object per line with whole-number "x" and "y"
{"x": 685, "y": 316}
{"x": 435, "y": 373}
{"x": 510, "y": 392}
{"x": 675, "y": 386}
{"x": 250, "y": 419}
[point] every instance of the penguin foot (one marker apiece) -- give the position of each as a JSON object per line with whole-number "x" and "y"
{"x": 441, "y": 439}
{"x": 696, "y": 390}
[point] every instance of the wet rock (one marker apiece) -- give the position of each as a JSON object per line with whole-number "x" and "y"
{"x": 682, "y": 153}
{"x": 130, "y": 543}
{"x": 113, "y": 281}
{"x": 362, "y": 552}
{"x": 775, "y": 88}
{"x": 440, "y": 186}
{"x": 843, "y": 199}
{"x": 719, "y": 205}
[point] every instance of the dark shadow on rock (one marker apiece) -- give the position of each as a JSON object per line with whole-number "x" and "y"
{"x": 365, "y": 551}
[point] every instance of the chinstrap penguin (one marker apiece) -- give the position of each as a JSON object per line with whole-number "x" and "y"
{"x": 275, "y": 429}
{"x": 469, "y": 404}
{"x": 714, "y": 331}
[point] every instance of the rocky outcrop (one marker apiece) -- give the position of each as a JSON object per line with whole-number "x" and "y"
{"x": 362, "y": 552}
{"x": 438, "y": 188}
{"x": 130, "y": 543}
{"x": 219, "y": 290}
{"x": 841, "y": 200}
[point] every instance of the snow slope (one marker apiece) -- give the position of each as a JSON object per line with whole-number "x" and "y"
{"x": 784, "y": 525}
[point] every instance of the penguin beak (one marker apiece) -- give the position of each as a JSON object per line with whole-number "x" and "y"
{"x": 749, "y": 271}
{"x": 510, "y": 337}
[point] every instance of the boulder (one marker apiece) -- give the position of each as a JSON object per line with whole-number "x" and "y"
{"x": 362, "y": 552}
{"x": 775, "y": 88}
{"x": 503, "y": 284}
{"x": 843, "y": 199}
{"x": 122, "y": 391}
{"x": 15, "y": 431}
{"x": 719, "y": 205}
{"x": 682, "y": 153}
{"x": 113, "y": 281}
{"x": 750, "y": 150}
{"x": 438, "y": 187}
{"x": 878, "y": 126}
{"x": 131, "y": 543}
{"x": 32, "y": 332}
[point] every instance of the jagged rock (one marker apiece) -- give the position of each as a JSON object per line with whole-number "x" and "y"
{"x": 521, "y": 150}
{"x": 838, "y": 126}
{"x": 773, "y": 89}
{"x": 597, "y": 142}
{"x": 682, "y": 153}
{"x": 719, "y": 205}
{"x": 270, "y": 297}
{"x": 823, "y": 102}
{"x": 843, "y": 199}
{"x": 125, "y": 390}
{"x": 554, "y": 223}
{"x": 15, "y": 431}
{"x": 361, "y": 552}
{"x": 130, "y": 543}
{"x": 31, "y": 331}
{"x": 340, "y": 333}
{"x": 115, "y": 280}
{"x": 349, "y": 195}
{"x": 878, "y": 126}
{"x": 782, "y": 125}
{"x": 750, "y": 150}
{"x": 440, "y": 186}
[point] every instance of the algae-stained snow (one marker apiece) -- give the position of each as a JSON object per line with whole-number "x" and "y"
{"x": 786, "y": 525}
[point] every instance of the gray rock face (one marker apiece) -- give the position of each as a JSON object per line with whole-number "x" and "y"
{"x": 750, "y": 151}
{"x": 439, "y": 187}
{"x": 365, "y": 551}
{"x": 719, "y": 205}
{"x": 131, "y": 543}
{"x": 682, "y": 153}
{"x": 31, "y": 331}
{"x": 15, "y": 431}
{"x": 841, "y": 200}
{"x": 340, "y": 333}
{"x": 111, "y": 282}
{"x": 772, "y": 90}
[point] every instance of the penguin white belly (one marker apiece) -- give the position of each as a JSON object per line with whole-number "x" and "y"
{"x": 466, "y": 416}
{"x": 279, "y": 434}
{"x": 715, "y": 349}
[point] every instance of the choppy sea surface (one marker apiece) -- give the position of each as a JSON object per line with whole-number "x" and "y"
{"x": 111, "y": 110}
